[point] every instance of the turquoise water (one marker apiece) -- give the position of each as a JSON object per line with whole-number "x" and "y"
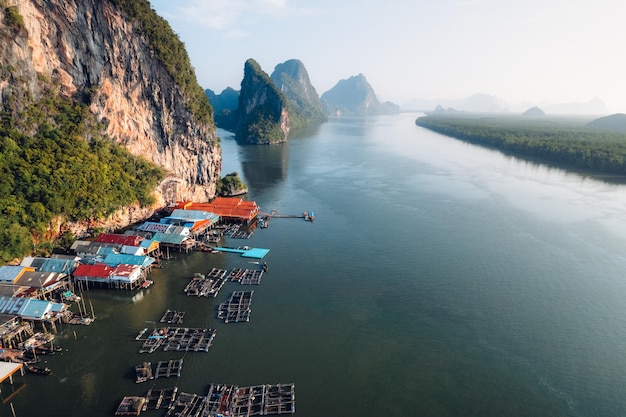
{"x": 438, "y": 279}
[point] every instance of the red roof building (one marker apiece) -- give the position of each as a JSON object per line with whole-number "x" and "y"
{"x": 96, "y": 272}
{"x": 127, "y": 240}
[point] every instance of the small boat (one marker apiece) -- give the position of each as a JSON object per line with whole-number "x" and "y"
{"x": 47, "y": 350}
{"x": 38, "y": 370}
{"x": 146, "y": 283}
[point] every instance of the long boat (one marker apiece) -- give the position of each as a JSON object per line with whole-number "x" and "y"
{"x": 37, "y": 370}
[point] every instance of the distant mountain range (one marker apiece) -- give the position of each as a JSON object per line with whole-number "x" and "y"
{"x": 485, "y": 103}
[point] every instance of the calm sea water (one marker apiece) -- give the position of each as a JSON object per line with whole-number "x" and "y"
{"x": 438, "y": 279}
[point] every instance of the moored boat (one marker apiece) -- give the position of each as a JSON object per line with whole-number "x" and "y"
{"x": 38, "y": 370}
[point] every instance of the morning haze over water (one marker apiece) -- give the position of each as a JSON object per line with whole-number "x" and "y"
{"x": 438, "y": 279}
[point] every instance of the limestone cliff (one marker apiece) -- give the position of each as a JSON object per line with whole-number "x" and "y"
{"x": 292, "y": 78}
{"x": 263, "y": 115}
{"x": 94, "y": 48}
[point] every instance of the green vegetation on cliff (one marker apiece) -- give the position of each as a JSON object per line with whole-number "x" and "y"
{"x": 564, "y": 142}
{"x": 170, "y": 50}
{"x": 54, "y": 162}
{"x": 231, "y": 185}
{"x": 13, "y": 18}
{"x": 262, "y": 124}
{"x": 305, "y": 107}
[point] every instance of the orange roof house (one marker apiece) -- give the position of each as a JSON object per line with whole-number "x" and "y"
{"x": 228, "y": 208}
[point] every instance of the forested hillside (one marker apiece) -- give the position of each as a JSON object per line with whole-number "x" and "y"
{"x": 564, "y": 141}
{"x": 54, "y": 171}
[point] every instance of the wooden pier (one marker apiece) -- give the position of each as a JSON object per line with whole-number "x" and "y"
{"x": 166, "y": 369}
{"x": 178, "y": 339}
{"x": 236, "y": 308}
{"x": 207, "y": 286}
{"x": 173, "y": 317}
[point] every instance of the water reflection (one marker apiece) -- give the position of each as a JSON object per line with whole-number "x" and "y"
{"x": 264, "y": 166}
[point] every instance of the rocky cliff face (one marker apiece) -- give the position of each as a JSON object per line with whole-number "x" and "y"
{"x": 90, "y": 47}
{"x": 263, "y": 115}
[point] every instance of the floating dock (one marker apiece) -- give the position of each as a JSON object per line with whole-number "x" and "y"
{"x": 246, "y": 276}
{"x": 264, "y": 400}
{"x": 166, "y": 369}
{"x": 220, "y": 400}
{"x": 237, "y": 308}
{"x": 157, "y": 398}
{"x": 178, "y": 339}
{"x": 245, "y": 251}
{"x": 207, "y": 286}
{"x": 234, "y": 401}
{"x": 173, "y": 317}
{"x": 130, "y": 406}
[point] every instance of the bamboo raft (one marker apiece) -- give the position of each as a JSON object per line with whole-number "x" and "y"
{"x": 236, "y": 308}
{"x": 207, "y": 286}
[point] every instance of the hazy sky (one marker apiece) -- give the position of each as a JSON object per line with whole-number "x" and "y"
{"x": 531, "y": 51}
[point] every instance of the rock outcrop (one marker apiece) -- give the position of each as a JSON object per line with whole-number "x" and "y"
{"x": 92, "y": 48}
{"x": 354, "y": 97}
{"x": 305, "y": 107}
{"x": 263, "y": 115}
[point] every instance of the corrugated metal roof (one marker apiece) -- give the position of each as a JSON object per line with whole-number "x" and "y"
{"x": 169, "y": 238}
{"x": 147, "y": 244}
{"x": 193, "y": 214}
{"x": 107, "y": 250}
{"x": 9, "y": 273}
{"x": 118, "y": 259}
{"x": 96, "y": 270}
{"x": 129, "y": 240}
{"x": 39, "y": 279}
{"x": 35, "y": 309}
{"x": 155, "y": 227}
{"x": 28, "y": 308}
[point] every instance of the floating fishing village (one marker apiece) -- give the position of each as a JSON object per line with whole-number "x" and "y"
{"x": 41, "y": 294}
